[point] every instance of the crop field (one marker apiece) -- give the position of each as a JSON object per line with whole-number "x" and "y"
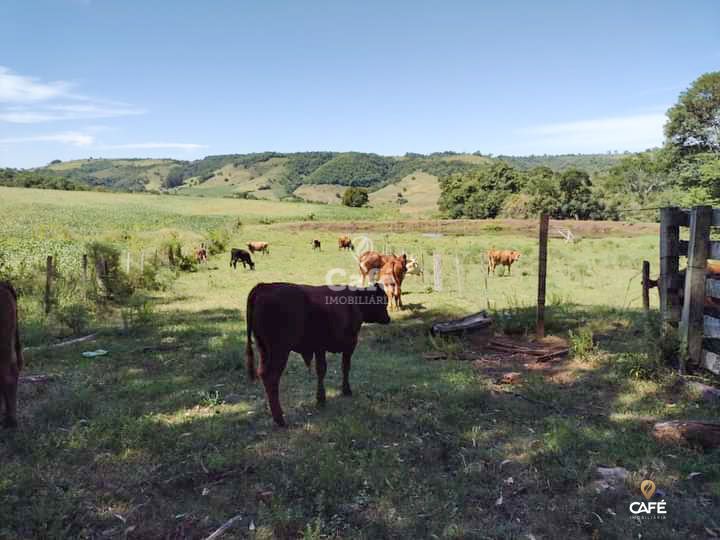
{"x": 164, "y": 436}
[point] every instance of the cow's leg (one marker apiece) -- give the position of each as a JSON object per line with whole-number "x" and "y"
{"x": 320, "y": 369}
{"x": 346, "y": 357}
{"x": 271, "y": 379}
{"x": 307, "y": 358}
{"x": 8, "y": 393}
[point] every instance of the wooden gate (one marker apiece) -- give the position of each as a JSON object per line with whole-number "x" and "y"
{"x": 683, "y": 293}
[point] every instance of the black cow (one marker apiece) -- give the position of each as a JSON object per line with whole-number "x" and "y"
{"x": 243, "y": 256}
{"x": 316, "y": 245}
{"x": 309, "y": 320}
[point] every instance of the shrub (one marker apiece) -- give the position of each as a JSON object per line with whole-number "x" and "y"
{"x": 75, "y": 316}
{"x": 137, "y": 314}
{"x": 109, "y": 282}
{"x": 355, "y": 197}
{"x": 217, "y": 241}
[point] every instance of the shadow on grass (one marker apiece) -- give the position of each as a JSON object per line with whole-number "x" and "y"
{"x": 176, "y": 441}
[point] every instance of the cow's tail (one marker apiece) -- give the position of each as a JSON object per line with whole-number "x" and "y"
{"x": 249, "y": 353}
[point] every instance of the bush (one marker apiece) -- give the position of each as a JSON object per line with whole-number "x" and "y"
{"x": 217, "y": 241}
{"x": 109, "y": 282}
{"x": 75, "y": 316}
{"x": 137, "y": 314}
{"x": 355, "y": 197}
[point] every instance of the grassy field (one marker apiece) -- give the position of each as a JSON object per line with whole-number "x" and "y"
{"x": 165, "y": 438}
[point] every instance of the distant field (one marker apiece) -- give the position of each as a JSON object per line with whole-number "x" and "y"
{"x": 420, "y": 190}
{"x": 325, "y": 193}
{"x": 164, "y": 437}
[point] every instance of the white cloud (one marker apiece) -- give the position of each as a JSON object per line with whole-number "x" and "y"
{"x": 67, "y": 137}
{"x": 632, "y": 132}
{"x": 27, "y": 100}
{"x": 20, "y": 89}
{"x": 154, "y": 146}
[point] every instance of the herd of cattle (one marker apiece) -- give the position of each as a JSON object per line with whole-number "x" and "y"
{"x": 282, "y": 317}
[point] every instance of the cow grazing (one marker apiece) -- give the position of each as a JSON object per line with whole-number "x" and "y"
{"x": 201, "y": 255}
{"x": 316, "y": 245}
{"x": 503, "y": 257}
{"x": 310, "y": 320}
{"x": 344, "y": 242}
{"x": 391, "y": 276}
{"x": 11, "y": 359}
{"x": 242, "y": 256}
{"x": 263, "y": 247}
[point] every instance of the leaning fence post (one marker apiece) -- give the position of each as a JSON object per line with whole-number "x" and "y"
{"x": 542, "y": 275}
{"x": 691, "y": 322}
{"x": 669, "y": 263}
{"x": 48, "y": 283}
{"x": 437, "y": 272}
{"x": 646, "y": 285}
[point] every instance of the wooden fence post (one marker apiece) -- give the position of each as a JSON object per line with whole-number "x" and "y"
{"x": 422, "y": 267}
{"x": 142, "y": 262}
{"x": 646, "y": 285}
{"x": 459, "y": 278}
{"x": 691, "y": 322}
{"x": 437, "y": 272}
{"x": 127, "y": 263}
{"x": 669, "y": 264}
{"x": 542, "y": 276}
{"x": 48, "y": 283}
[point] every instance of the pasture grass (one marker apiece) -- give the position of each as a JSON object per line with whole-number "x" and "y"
{"x": 165, "y": 438}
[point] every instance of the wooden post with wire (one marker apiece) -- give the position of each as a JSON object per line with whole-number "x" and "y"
{"x": 542, "y": 276}
{"x": 437, "y": 272}
{"x": 671, "y": 219}
{"x": 646, "y": 285}
{"x": 48, "y": 283}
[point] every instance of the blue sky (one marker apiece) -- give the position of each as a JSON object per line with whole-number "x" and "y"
{"x": 184, "y": 79}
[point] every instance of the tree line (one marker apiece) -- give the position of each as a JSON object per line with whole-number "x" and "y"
{"x": 685, "y": 171}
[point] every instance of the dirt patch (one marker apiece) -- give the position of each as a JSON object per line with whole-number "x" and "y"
{"x": 508, "y": 360}
{"x": 580, "y": 229}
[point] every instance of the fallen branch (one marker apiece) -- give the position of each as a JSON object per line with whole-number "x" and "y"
{"x": 552, "y": 355}
{"x": 35, "y": 379}
{"x": 705, "y": 434}
{"x": 62, "y": 343}
{"x": 219, "y": 532}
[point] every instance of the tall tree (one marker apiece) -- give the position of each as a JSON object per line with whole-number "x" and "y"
{"x": 694, "y": 122}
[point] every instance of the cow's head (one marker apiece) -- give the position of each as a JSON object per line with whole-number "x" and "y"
{"x": 514, "y": 255}
{"x": 373, "y": 304}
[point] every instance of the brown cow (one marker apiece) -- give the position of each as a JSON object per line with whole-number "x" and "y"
{"x": 263, "y": 247}
{"x": 370, "y": 264}
{"x": 309, "y": 320}
{"x": 344, "y": 242}
{"x": 11, "y": 359}
{"x": 504, "y": 257}
{"x": 391, "y": 276}
{"x": 316, "y": 245}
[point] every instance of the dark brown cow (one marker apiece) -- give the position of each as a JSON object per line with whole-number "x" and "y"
{"x": 11, "y": 359}
{"x": 243, "y": 256}
{"x": 391, "y": 276}
{"x": 263, "y": 247}
{"x": 316, "y": 245}
{"x": 309, "y": 320}
{"x": 504, "y": 258}
{"x": 344, "y": 242}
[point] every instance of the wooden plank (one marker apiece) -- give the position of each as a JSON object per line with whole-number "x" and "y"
{"x": 669, "y": 264}
{"x": 716, "y": 217}
{"x": 714, "y": 250}
{"x": 711, "y": 327}
{"x": 680, "y": 217}
{"x": 711, "y": 362}
{"x": 691, "y": 320}
{"x": 712, "y": 287}
{"x": 542, "y": 275}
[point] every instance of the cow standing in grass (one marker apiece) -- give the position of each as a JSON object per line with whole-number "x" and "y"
{"x": 316, "y": 245}
{"x": 310, "y": 320}
{"x": 11, "y": 359}
{"x": 503, "y": 257}
{"x": 262, "y": 247}
{"x": 391, "y": 276}
{"x": 344, "y": 242}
